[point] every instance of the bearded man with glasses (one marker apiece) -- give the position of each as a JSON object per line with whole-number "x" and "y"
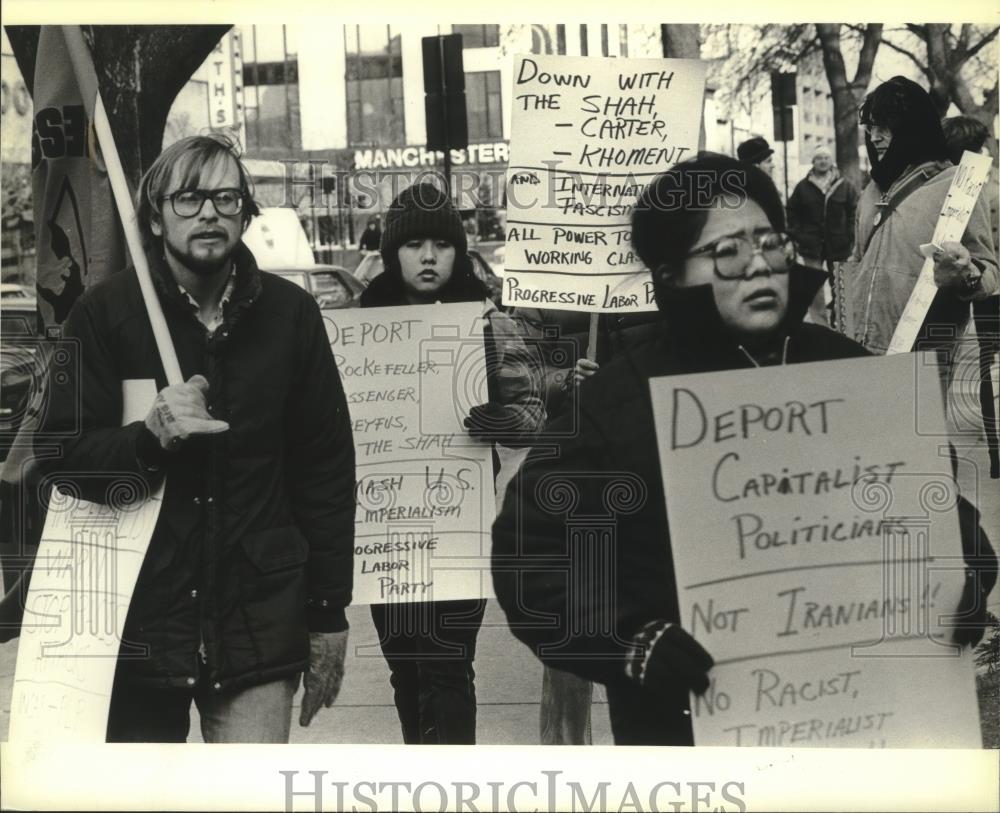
{"x": 249, "y": 569}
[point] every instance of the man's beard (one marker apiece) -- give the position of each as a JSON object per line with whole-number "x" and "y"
{"x": 203, "y": 267}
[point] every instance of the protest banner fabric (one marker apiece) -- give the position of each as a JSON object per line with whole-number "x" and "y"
{"x": 815, "y": 566}
{"x": 587, "y": 135}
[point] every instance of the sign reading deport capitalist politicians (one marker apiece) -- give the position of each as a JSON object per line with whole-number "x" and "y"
{"x": 817, "y": 566}
{"x": 425, "y": 502}
{"x": 587, "y": 135}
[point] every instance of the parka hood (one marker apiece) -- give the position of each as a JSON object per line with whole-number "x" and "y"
{"x": 917, "y": 137}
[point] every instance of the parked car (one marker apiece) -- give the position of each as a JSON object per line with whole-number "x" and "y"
{"x": 331, "y": 285}
{"x": 13, "y": 291}
{"x": 371, "y": 266}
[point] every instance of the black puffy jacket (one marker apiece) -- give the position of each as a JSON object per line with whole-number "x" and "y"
{"x": 253, "y": 546}
{"x": 822, "y": 223}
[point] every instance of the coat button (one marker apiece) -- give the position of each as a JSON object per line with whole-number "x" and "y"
{"x": 190, "y": 681}
{"x": 210, "y": 500}
{"x": 194, "y": 594}
{"x": 197, "y": 500}
{"x": 217, "y": 686}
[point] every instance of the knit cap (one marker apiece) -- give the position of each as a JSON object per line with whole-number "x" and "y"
{"x": 754, "y": 150}
{"x": 421, "y": 211}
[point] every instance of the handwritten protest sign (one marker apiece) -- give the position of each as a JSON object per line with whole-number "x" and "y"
{"x": 84, "y": 575}
{"x": 425, "y": 502}
{"x": 961, "y": 199}
{"x": 814, "y": 564}
{"x": 587, "y": 135}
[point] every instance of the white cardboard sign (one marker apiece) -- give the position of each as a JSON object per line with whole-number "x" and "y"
{"x": 815, "y": 565}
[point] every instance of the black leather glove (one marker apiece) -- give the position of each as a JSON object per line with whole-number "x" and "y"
{"x": 667, "y": 656}
{"x": 488, "y": 421}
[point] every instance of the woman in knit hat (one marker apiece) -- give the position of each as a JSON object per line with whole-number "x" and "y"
{"x": 430, "y": 646}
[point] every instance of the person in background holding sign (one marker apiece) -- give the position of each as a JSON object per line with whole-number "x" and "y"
{"x": 430, "y": 646}
{"x": 821, "y": 220}
{"x": 730, "y": 297}
{"x": 897, "y": 213}
{"x": 249, "y": 569}
{"x": 961, "y": 134}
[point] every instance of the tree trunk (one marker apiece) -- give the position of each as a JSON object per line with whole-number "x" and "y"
{"x": 141, "y": 69}
{"x": 943, "y": 71}
{"x": 683, "y": 41}
{"x": 847, "y": 94}
{"x": 941, "y": 75}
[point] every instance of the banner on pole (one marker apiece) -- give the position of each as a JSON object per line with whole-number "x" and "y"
{"x": 78, "y": 235}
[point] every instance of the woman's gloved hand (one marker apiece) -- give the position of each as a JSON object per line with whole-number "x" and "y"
{"x": 665, "y": 655}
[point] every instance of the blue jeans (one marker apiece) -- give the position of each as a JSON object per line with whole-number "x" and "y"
{"x": 259, "y": 714}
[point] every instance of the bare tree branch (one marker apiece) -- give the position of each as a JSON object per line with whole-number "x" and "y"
{"x": 866, "y": 60}
{"x": 963, "y": 39}
{"x": 986, "y": 40}
{"x": 912, "y": 57}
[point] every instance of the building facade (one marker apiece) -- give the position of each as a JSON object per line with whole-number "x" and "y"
{"x": 333, "y": 121}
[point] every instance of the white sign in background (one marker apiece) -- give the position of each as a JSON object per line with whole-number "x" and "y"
{"x": 587, "y": 135}
{"x": 958, "y": 204}
{"x": 425, "y": 500}
{"x": 85, "y": 572}
{"x": 813, "y": 564}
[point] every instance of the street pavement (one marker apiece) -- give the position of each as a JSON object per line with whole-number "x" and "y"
{"x": 508, "y": 687}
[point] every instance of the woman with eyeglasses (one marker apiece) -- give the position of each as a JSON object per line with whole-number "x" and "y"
{"x": 711, "y": 231}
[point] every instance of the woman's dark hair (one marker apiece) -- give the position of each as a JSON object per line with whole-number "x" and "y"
{"x": 671, "y": 212}
{"x": 963, "y": 133}
{"x": 908, "y": 111}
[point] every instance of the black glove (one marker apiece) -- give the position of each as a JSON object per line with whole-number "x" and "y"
{"x": 488, "y": 421}
{"x": 970, "y": 622}
{"x": 667, "y": 656}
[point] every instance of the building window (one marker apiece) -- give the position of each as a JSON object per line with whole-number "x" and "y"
{"x": 271, "y": 92}
{"x": 478, "y": 36}
{"x": 374, "y": 76}
{"x": 482, "y": 103}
